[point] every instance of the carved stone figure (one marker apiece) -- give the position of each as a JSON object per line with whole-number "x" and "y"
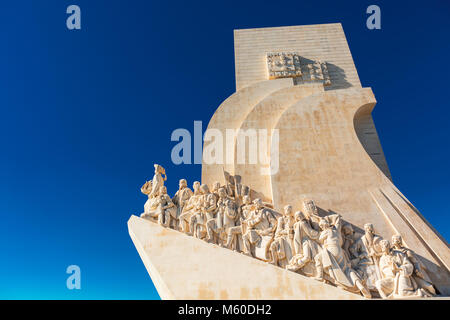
{"x": 396, "y": 274}
{"x": 180, "y": 199}
{"x": 151, "y": 204}
{"x": 305, "y": 245}
{"x": 215, "y": 189}
{"x": 420, "y": 275}
{"x": 214, "y": 226}
{"x": 259, "y": 231}
{"x": 246, "y": 208}
{"x": 348, "y": 236}
{"x": 152, "y": 188}
{"x": 166, "y": 209}
{"x": 204, "y": 211}
{"x": 282, "y": 245}
{"x": 230, "y": 185}
{"x": 197, "y": 216}
{"x": 230, "y": 215}
{"x": 189, "y": 208}
{"x": 163, "y": 209}
{"x": 235, "y": 233}
{"x": 306, "y": 235}
{"x": 366, "y": 252}
{"x": 333, "y": 260}
{"x": 227, "y": 213}
{"x": 311, "y": 212}
{"x": 158, "y": 180}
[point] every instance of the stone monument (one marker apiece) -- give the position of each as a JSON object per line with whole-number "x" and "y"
{"x": 316, "y": 215}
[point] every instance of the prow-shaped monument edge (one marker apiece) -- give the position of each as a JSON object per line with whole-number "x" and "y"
{"x": 184, "y": 268}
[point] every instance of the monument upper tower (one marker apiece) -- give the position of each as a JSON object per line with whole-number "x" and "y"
{"x": 324, "y": 42}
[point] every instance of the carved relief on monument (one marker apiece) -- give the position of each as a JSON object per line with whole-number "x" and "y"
{"x": 318, "y": 71}
{"x": 283, "y": 65}
{"x": 291, "y": 65}
{"x": 324, "y": 247}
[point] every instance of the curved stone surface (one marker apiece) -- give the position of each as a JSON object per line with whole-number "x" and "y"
{"x": 368, "y": 136}
{"x": 230, "y": 115}
{"x": 320, "y": 155}
{"x": 265, "y": 115}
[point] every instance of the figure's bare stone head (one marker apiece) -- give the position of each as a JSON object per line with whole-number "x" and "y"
{"x": 299, "y": 216}
{"x": 196, "y": 186}
{"x": 204, "y": 189}
{"x": 309, "y": 207}
{"x": 347, "y": 229}
{"x": 397, "y": 241}
{"x": 385, "y": 246}
{"x": 288, "y": 210}
{"x": 159, "y": 169}
{"x": 368, "y": 228}
{"x": 246, "y": 200}
{"x": 182, "y": 183}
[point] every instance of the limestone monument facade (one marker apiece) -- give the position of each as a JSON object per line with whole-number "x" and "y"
{"x": 319, "y": 218}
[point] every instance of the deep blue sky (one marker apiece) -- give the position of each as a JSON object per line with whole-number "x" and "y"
{"x": 85, "y": 114}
